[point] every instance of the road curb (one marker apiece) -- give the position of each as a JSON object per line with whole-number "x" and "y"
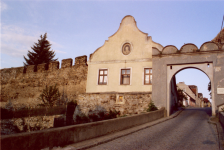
{"x": 219, "y": 131}
{"x": 104, "y": 139}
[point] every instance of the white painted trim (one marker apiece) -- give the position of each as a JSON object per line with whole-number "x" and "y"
{"x": 121, "y": 61}
{"x": 130, "y": 76}
{"x": 97, "y": 81}
{"x": 144, "y": 77}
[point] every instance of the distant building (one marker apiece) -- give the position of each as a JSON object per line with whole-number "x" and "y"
{"x": 206, "y": 102}
{"x": 200, "y": 96}
{"x": 191, "y": 91}
{"x": 190, "y": 101}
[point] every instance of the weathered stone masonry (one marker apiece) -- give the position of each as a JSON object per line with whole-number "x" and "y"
{"x": 134, "y": 103}
{"x": 23, "y": 86}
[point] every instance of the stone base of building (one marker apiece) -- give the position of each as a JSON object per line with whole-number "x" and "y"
{"x": 126, "y": 103}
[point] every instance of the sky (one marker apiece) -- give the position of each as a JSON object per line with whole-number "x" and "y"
{"x": 76, "y": 28}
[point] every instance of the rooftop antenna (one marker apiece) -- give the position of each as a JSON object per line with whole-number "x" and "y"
{"x": 219, "y": 40}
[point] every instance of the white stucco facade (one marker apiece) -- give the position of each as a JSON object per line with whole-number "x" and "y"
{"x": 111, "y": 57}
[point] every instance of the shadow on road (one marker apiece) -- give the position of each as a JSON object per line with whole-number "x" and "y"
{"x": 208, "y": 110}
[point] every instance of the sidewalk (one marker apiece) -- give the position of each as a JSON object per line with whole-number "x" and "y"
{"x": 103, "y": 139}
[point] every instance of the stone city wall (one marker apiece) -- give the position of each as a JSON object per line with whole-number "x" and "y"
{"x": 24, "y": 85}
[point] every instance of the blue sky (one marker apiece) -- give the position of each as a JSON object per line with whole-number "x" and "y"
{"x": 77, "y": 28}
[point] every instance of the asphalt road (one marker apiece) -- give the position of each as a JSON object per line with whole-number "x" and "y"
{"x": 188, "y": 131}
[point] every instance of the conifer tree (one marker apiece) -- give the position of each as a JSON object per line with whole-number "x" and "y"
{"x": 41, "y": 52}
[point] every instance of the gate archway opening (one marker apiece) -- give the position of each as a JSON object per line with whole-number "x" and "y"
{"x": 172, "y": 70}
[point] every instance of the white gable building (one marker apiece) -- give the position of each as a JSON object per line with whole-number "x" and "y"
{"x": 123, "y": 63}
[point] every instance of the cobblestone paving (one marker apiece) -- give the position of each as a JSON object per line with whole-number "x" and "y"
{"x": 188, "y": 131}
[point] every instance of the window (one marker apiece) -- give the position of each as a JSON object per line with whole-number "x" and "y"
{"x": 125, "y": 76}
{"x": 148, "y": 76}
{"x": 102, "y": 77}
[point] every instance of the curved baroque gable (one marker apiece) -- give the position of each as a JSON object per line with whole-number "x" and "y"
{"x": 140, "y": 44}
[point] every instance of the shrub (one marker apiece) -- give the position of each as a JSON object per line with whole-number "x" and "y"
{"x": 93, "y": 117}
{"x": 101, "y": 115}
{"x": 151, "y": 107}
{"x": 50, "y": 95}
{"x": 112, "y": 114}
{"x": 63, "y": 100}
{"x": 82, "y": 118}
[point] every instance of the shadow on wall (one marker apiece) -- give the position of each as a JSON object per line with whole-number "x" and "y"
{"x": 75, "y": 133}
{"x": 76, "y": 116}
{"x": 42, "y": 119}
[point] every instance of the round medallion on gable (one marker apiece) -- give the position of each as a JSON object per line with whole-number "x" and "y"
{"x": 126, "y": 49}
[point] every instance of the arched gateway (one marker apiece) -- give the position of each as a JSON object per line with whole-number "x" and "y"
{"x": 168, "y": 62}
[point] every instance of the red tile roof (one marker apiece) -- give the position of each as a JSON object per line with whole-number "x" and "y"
{"x": 205, "y": 100}
{"x": 193, "y": 88}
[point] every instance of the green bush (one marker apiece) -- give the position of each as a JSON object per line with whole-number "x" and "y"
{"x": 93, "y": 117}
{"x": 151, "y": 107}
{"x": 112, "y": 114}
{"x": 50, "y": 95}
{"x": 101, "y": 115}
{"x": 82, "y": 118}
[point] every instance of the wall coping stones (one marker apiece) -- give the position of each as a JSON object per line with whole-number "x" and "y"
{"x": 52, "y": 66}
{"x": 188, "y": 49}
{"x": 169, "y": 49}
{"x": 41, "y": 67}
{"x": 155, "y": 51}
{"x": 66, "y": 63}
{"x": 208, "y": 46}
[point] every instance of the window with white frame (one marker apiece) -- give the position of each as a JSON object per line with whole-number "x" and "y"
{"x": 125, "y": 76}
{"x": 102, "y": 80}
{"x": 147, "y": 76}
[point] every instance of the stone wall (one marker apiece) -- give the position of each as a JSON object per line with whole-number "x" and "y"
{"x": 221, "y": 118}
{"x": 27, "y": 124}
{"x": 134, "y": 103}
{"x": 24, "y": 85}
{"x": 75, "y": 133}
